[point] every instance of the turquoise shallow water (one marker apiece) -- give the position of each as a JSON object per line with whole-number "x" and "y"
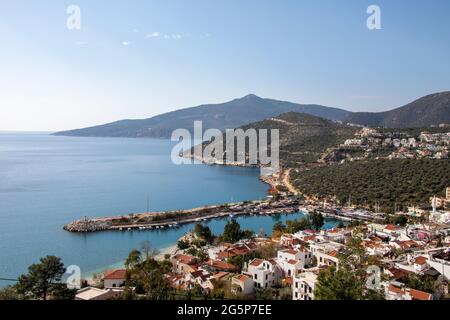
{"x": 47, "y": 181}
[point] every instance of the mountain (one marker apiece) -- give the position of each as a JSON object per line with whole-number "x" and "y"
{"x": 303, "y": 137}
{"x": 429, "y": 110}
{"x": 229, "y": 115}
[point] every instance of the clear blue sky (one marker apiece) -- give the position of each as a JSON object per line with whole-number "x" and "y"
{"x": 313, "y": 51}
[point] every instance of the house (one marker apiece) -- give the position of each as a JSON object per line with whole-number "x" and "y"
{"x": 288, "y": 240}
{"x": 420, "y": 263}
{"x": 242, "y": 284}
{"x": 176, "y": 281}
{"x": 292, "y": 260}
{"x": 375, "y": 248}
{"x": 265, "y": 273}
{"x": 304, "y": 286}
{"x": 336, "y": 234}
{"x": 91, "y": 293}
{"x": 440, "y": 261}
{"x": 114, "y": 278}
{"x": 408, "y": 245}
{"x": 200, "y": 278}
{"x": 390, "y": 229}
{"x": 184, "y": 263}
{"x": 396, "y": 273}
{"x": 219, "y": 265}
{"x": 398, "y": 291}
{"x": 326, "y": 253}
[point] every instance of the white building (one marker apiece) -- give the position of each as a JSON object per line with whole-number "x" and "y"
{"x": 114, "y": 278}
{"x": 242, "y": 284}
{"x": 265, "y": 273}
{"x": 326, "y": 253}
{"x": 291, "y": 261}
{"x": 304, "y": 286}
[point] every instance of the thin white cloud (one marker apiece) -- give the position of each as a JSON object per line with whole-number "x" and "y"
{"x": 136, "y": 30}
{"x": 153, "y": 35}
{"x": 173, "y": 36}
{"x": 126, "y": 43}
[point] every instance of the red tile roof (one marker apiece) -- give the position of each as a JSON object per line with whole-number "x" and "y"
{"x": 420, "y": 295}
{"x": 415, "y": 294}
{"x": 256, "y": 262}
{"x": 185, "y": 259}
{"x": 390, "y": 227}
{"x": 221, "y": 265}
{"x": 420, "y": 260}
{"x": 243, "y": 278}
{"x": 115, "y": 274}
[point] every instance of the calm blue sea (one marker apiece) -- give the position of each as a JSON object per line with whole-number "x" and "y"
{"x": 47, "y": 181}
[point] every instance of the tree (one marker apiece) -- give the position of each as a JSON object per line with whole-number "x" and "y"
{"x": 43, "y": 278}
{"x": 62, "y": 292}
{"x": 9, "y": 293}
{"x": 148, "y": 250}
{"x": 339, "y": 284}
{"x": 203, "y": 232}
{"x": 294, "y": 226}
{"x": 148, "y": 277}
{"x": 424, "y": 283}
{"x": 265, "y": 294}
{"x": 279, "y": 227}
{"x": 348, "y": 282}
{"x": 134, "y": 259}
{"x": 233, "y": 233}
{"x": 316, "y": 220}
{"x": 183, "y": 245}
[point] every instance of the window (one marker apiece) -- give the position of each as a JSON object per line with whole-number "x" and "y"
{"x": 256, "y": 276}
{"x": 267, "y": 276}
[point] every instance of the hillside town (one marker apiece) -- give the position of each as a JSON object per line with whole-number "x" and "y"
{"x": 381, "y": 143}
{"x": 407, "y": 258}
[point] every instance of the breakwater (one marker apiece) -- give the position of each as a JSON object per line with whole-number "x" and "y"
{"x": 171, "y": 219}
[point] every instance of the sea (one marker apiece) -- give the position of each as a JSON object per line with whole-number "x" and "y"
{"x": 47, "y": 181}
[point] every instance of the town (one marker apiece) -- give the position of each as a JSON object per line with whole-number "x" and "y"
{"x": 399, "y": 257}
{"x": 391, "y": 144}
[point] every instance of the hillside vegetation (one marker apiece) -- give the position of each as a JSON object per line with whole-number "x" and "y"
{"x": 400, "y": 182}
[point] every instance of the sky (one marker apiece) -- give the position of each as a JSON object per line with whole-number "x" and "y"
{"x": 139, "y": 58}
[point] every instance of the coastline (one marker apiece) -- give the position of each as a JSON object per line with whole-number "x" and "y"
{"x": 90, "y": 276}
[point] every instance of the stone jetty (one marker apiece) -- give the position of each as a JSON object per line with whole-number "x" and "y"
{"x": 171, "y": 219}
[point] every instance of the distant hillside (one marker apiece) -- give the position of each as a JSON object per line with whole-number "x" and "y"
{"x": 222, "y": 116}
{"x": 303, "y": 137}
{"x": 429, "y": 110}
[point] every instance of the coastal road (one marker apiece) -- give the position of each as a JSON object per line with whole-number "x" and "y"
{"x": 287, "y": 182}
